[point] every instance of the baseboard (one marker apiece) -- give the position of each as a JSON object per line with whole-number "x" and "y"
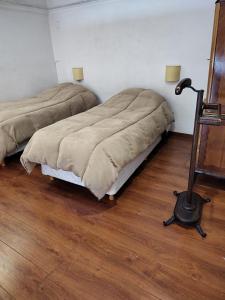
{"x": 180, "y": 134}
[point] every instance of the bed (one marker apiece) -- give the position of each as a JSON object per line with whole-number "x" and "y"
{"x": 100, "y": 148}
{"x": 20, "y": 119}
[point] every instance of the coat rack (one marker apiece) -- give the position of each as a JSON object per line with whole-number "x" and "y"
{"x": 188, "y": 208}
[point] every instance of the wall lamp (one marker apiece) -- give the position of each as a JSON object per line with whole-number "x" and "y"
{"x": 78, "y": 74}
{"x": 172, "y": 73}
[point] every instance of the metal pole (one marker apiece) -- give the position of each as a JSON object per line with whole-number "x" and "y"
{"x": 194, "y": 149}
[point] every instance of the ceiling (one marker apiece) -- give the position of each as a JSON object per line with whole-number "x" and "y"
{"x": 44, "y": 4}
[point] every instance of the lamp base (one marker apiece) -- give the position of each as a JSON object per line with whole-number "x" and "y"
{"x": 188, "y": 215}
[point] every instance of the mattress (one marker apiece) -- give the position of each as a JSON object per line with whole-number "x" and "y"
{"x": 97, "y": 144}
{"x": 123, "y": 176}
{"x": 20, "y": 119}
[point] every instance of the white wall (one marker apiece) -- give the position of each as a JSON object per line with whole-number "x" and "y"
{"x": 127, "y": 43}
{"x": 26, "y": 57}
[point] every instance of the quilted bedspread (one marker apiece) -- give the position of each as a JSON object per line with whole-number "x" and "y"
{"x": 97, "y": 144}
{"x": 20, "y": 119}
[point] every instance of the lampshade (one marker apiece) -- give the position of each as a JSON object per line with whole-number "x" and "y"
{"x": 172, "y": 73}
{"x": 78, "y": 74}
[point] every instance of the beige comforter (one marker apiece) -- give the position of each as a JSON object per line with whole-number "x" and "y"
{"x": 20, "y": 119}
{"x": 97, "y": 144}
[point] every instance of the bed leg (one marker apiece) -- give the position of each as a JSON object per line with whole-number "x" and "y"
{"x": 112, "y": 200}
{"x": 111, "y": 197}
{"x": 2, "y": 164}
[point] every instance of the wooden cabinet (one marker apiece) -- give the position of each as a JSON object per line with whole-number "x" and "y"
{"x": 211, "y": 159}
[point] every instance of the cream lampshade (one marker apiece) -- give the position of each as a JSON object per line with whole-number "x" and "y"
{"x": 78, "y": 74}
{"x": 172, "y": 73}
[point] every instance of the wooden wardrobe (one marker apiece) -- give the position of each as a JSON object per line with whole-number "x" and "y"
{"x": 211, "y": 156}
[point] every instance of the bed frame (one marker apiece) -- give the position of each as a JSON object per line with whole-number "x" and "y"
{"x": 124, "y": 174}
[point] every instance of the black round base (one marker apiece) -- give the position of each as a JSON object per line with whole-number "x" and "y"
{"x": 185, "y": 214}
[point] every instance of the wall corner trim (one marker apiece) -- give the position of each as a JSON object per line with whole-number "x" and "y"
{"x": 77, "y": 5}
{"x": 24, "y": 8}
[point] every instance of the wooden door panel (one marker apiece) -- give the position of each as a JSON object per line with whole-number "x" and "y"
{"x": 215, "y": 149}
{"x": 218, "y": 78}
{"x": 212, "y": 141}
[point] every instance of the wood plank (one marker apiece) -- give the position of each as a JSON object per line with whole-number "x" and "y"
{"x": 71, "y": 221}
{"x": 19, "y": 277}
{"x": 91, "y": 274}
{"x": 4, "y": 295}
{"x": 83, "y": 249}
{"x": 35, "y": 245}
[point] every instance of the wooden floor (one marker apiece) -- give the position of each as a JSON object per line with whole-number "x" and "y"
{"x": 58, "y": 242}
